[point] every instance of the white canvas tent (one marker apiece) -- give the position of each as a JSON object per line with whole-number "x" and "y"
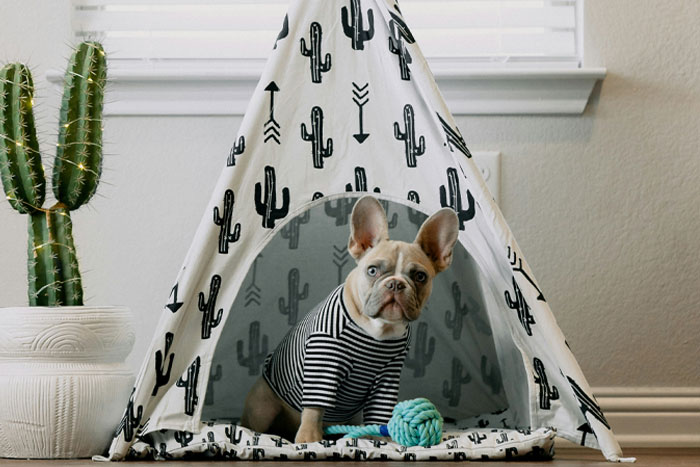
{"x": 345, "y": 105}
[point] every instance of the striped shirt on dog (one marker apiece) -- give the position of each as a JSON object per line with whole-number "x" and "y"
{"x": 328, "y": 361}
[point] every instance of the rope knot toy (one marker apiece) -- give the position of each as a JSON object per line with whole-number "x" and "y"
{"x": 414, "y": 422}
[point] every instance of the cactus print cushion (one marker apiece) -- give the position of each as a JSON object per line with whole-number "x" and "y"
{"x": 347, "y": 105}
{"x": 228, "y": 441}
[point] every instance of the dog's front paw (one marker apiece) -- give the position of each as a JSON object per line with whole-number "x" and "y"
{"x": 308, "y": 435}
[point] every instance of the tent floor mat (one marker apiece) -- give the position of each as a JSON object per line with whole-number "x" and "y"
{"x": 230, "y": 441}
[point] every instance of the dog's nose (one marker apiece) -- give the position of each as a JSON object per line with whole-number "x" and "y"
{"x": 395, "y": 285}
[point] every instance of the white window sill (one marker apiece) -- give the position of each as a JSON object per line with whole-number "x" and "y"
{"x": 226, "y": 91}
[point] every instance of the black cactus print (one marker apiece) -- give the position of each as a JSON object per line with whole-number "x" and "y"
{"x": 423, "y": 351}
{"x": 518, "y": 303}
{"x": 290, "y": 307}
{"x": 224, "y": 221}
{"x": 360, "y": 183}
{"x": 454, "y": 200}
{"x": 266, "y": 206}
{"x": 392, "y": 220}
{"x": 397, "y": 46}
{"x": 291, "y": 230}
{"x": 492, "y": 378}
{"x": 130, "y": 421}
{"x": 214, "y": 376}
{"x": 258, "y": 454}
{"x": 257, "y": 349}
{"x": 460, "y": 311}
{"x": 413, "y": 147}
{"x": 210, "y": 317}
{"x": 415, "y": 216}
{"x": 237, "y": 149}
{"x": 163, "y": 375}
{"x": 476, "y": 438}
{"x": 454, "y": 138}
{"x": 183, "y": 438}
{"x": 190, "y": 385}
{"x": 353, "y": 24}
{"x": 233, "y": 434}
{"x": 318, "y": 151}
{"x": 339, "y": 209}
{"x": 318, "y": 65}
{"x": 587, "y": 403}
{"x": 284, "y": 32}
{"x": 452, "y": 390}
{"x": 547, "y": 393}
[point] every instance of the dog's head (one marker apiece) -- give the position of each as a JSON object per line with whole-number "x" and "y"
{"x": 393, "y": 279}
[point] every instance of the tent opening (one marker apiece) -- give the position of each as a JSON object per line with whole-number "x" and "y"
{"x": 453, "y": 358}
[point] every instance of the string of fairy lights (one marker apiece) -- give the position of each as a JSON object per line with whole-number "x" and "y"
{"x": 83, "y": 126}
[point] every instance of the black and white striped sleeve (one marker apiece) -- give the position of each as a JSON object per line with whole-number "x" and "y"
{"x": 326, "y": 364}
{"x": 384, "y": 393}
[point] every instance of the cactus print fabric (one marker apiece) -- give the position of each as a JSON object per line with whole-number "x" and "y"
{"x": 225, "y": 441}
{"x": 347, "y": 105}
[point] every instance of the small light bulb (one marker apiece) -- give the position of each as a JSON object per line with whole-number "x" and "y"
{"x": 66, "y": 125}
{"x": 19, "y": 144}
{"x": 81, "y": 166}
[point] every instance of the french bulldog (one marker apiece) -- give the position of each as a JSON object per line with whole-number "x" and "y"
{"x": 344, "y": 359}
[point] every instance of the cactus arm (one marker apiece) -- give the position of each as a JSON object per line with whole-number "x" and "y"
{"x": 398, "y": 134}
{"x": 20, "y": 161}
{"x": 304, "y": 51}
{"x": 369, "y": 34}
{"x": 78, "y": 164}
{"x": 284, "y": 210}
{"x": 305, "y": 135}
{"x": 348, "y": 30}
{"x": 236, "y": 235}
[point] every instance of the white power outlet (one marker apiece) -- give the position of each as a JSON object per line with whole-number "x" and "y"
{"x": 489, "y": 162}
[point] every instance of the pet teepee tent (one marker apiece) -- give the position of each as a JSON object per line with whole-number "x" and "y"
{"x": 347, "y": 104}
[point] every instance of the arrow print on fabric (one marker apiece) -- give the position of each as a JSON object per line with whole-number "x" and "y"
{"x": 360, "y": 98}
{"x": 519, "y": 268}
{"x": 175, "y": 305}
{"x": 252, "y": 292}
{"x": 340, "y": 259}
{"x": 271, "y": 126}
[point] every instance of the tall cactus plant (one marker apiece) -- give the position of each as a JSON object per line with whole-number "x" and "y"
{"x": 53, "y": 274}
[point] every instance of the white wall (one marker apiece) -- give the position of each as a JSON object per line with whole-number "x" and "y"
{"x": 604, "y": 205}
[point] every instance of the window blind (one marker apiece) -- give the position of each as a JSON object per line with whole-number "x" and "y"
{"x": 478, "y": 33}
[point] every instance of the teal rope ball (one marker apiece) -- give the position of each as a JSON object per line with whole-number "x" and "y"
{"x": 414, "y": 422}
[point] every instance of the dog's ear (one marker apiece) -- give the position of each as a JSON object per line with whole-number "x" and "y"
{"x": 437, "y": 237}
{"x": 369, "y": 226}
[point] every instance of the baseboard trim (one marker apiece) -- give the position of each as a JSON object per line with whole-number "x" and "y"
{"x": 651, "y": 416}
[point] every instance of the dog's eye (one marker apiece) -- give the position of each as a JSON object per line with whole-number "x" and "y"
{"x": 420, "y": 276}
{"x": 372, "y": 271}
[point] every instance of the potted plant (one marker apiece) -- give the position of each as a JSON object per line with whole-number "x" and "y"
{"x": 63, "y": 381}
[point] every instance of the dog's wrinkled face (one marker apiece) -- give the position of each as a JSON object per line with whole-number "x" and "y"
{"x": 393, "y": 279}
{"x": 397, "y": 279}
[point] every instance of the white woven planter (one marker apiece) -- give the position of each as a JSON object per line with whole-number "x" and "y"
{"x": 63, "y": 381}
